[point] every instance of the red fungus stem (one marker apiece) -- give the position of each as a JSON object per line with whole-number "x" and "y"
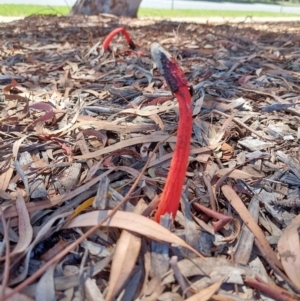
{"x": 111, "y": 35}
{"x": 169, "y": 68}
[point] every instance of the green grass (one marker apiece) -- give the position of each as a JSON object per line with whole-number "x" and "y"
{"x": 26, "y": 10}
{"x": 168, "y": 13}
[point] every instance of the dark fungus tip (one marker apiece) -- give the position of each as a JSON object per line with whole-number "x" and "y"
{"x": 132, "y": 45}
{"x": 168, "y": 66}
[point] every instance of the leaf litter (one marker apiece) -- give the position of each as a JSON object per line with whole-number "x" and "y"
{"x": 85, "y": 131}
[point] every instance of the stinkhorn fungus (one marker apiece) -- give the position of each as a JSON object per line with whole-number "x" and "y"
{"x": 111, "y": 35}
{"x": 175, "y": 78}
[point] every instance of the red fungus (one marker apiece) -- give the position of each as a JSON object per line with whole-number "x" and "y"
{"x": 169, "y": 68}
{"x": 111, "y": 35}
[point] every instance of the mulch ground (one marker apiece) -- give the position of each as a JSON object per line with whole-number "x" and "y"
{"x": 83, "y": 131}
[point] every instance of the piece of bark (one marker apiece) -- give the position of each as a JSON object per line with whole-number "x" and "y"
{"x": 36, "y": 186}
{"x": 160, "y": 251}
{"x": 71, "y": 176}
{"x": 246, "y": 241}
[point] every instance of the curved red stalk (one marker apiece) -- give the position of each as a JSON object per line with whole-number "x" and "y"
{"x": 111, "y": 35}
{"x": 169, "y": 68}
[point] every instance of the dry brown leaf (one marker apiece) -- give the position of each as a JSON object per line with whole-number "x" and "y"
{"x": 92, "y": 290}
{"x": 5, "y": 177}
{"x": 42, "y": 233}
{"x": 17, "y": 144}
{"x": 124, "y": 258}
{"x": 218, "y": 136}
{"x": 155, "y": 137}
{"x": 206, "y": 293}
{"x": 83, "y": 147}
{"x": 221, "y": 298}
{"x": 16, "y": 297}
{"x": 131, "y": 222}
{"x": 105, "y": 125}
{"x": 220, "y": 267}
{"x": 44, "y": 107}
{"x": 25, "y": 228}
{"x": 158, "y": 121}
{"x": 289, "y": 251}
{"x": 45, "y": 289}
{"x": 151, "y": 110}
{"x": 247, "y": 218}
{"x": 234, "y": 174}
{"x": 33, "y": 206}
{"x": 199, "y": 150}
{"x": 20, "y": 99}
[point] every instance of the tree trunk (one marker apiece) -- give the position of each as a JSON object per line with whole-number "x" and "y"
{"x": 127, "y": 8}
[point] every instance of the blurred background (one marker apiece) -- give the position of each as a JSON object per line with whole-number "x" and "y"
{"x": 159, "y": 8}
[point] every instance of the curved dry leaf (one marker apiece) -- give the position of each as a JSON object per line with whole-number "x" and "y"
{"x": 158, "y": 121}
{"x": 44, "y": 107}
{"x": 131, "y": 222}
{"x": 43, "y": 232}
{"x": 247, "y": 218}
{"x": 142, "y": 71}
{"x": 217, "y": 137}
{"x": 15, "y": 297}
{"x": 39, "y": 205}
{"x": 234, "y": 173}
{"x": 66, "y": 128}
{"x": 244, "y": 78}
{"x": 289, "y": 250}
{"x": 20, "y": 98}
{"x": 7, "y": 88}
{"x": 92, "y": 291}
{"x": 156, "y": 137}
{"x": 17, "y": 144}
{"x": 45, "y": 289}
{"x": 206, "y": 293}
{"x": 124, "y": 259}
{"x": 23, "y": 176}
{"x": 222, "y": 297}
{"x": 168, "y": 156}
{"x": 25, "y": 228}
{"x": 92, "y": 132}
{"x": 5, "y": 176}
{"x": 224, "y": 269}
{"x": 105, "y": 125}
{"x": 198, "y": 105}
{"x": 150, "y": 110}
